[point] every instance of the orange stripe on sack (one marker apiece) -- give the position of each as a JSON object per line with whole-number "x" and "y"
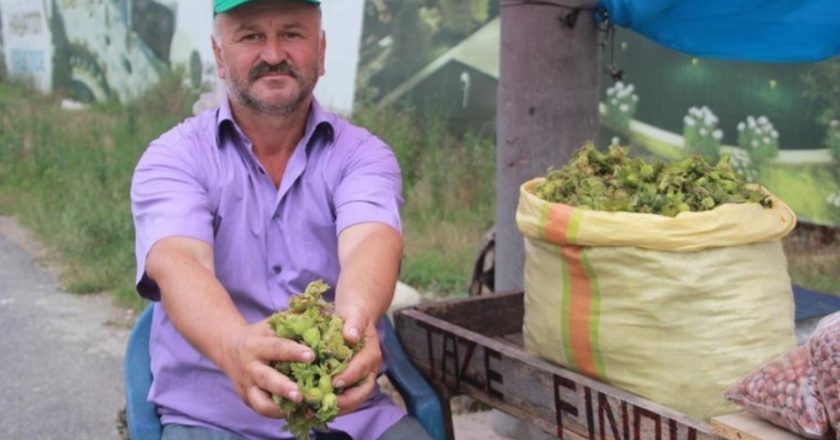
{"x": 580, "y": 311}
{"x": 557, "y": 224}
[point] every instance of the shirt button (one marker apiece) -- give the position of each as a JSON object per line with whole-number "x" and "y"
{"x": 277, "y": 268}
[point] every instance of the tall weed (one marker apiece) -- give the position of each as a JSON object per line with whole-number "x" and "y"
{"x": 449, "y": 188}
{"x": 66, "y": 175}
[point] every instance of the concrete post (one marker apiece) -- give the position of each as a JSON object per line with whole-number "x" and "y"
{"x": 547, "y": 107}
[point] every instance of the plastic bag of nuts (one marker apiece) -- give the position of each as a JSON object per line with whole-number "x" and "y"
{"x": 783, "y": 392}
{"x": 825, "y": 360}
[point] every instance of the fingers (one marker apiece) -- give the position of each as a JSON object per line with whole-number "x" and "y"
{"x": 268, "y": 347}
{"x": 249, "y": 367}
{"x": 272, "y": 348}
{"x": 356, "y": 321}
{"x": 270, "y": 380}
{"x": 363, "y": 363}
{"x": 351, "y": 398}
{"x": 253, "y": 343}
{"x": 259, "y": 348}
{"x": 261, "y": 402}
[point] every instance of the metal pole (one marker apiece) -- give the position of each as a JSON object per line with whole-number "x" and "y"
{"x": 547, "y": 107}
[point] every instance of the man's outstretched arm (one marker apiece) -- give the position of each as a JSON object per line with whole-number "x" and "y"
{"x": 203, "y": 312}
{"x": 369, "y": 254}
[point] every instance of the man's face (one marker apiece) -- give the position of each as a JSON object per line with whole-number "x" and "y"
{"x": 270, "y": 54}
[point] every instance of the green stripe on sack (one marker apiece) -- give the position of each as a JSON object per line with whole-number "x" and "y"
{"x": 574, "y": 226}
{"x": 566, "y": 322}
{"x": 595, "y": 316}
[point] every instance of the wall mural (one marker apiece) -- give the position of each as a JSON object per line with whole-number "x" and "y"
{"x": 2, "y": 52}
{"x": 779, "y": 122}
{"x": 437, "y": 54}
{"x": 94, "y": 50}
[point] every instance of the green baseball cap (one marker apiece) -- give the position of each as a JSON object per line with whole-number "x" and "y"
{"x": 220, "y": 6}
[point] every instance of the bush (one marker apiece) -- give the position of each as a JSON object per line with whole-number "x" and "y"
{"x": 621, "y": 105}
{"x": 743, "y": 164}
{"x": 759, "y": 138}
{"x": 701, "y": 133}
{"x": 832, "y": 139}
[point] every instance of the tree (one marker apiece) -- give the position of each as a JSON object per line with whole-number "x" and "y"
{"x": 462, "y": 17}
{"x": 822, "y": 85}
{"x": 412, "y": 42}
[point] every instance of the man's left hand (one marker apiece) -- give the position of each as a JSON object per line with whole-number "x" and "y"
{"x": 359, "y": 379}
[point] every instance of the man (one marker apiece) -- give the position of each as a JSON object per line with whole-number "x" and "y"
{"x": 242, "y": 206}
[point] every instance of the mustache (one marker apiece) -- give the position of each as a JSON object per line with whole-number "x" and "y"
{"x": 262, "y": 69}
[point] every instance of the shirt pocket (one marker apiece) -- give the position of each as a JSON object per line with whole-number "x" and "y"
{"x": 316, "y": 247}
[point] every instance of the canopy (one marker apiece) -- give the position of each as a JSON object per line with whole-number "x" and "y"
{"x": 743, "y": 30}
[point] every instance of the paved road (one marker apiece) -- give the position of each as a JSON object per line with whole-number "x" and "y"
{"x": 60, "y": 354}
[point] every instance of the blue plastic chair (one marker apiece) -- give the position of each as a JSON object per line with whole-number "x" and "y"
{"x": 811, "y": 304}
{"x": 144, "y": 424}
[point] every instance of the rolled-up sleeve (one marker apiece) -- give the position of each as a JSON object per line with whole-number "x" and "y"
{"x": 169, "y": 198}
{"x": 370, "y": 188}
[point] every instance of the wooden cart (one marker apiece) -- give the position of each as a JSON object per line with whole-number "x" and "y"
{"x": 474, "y": 347}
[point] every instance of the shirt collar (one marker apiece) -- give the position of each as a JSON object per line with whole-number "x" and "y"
{"x": 319, "y": 120}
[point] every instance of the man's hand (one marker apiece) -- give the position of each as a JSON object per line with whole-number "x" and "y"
{"x": 359, "y": 379}
{"x": 247, "y": 360}
{"x": 370, "y": 256}
{"x": 204, "y": 313}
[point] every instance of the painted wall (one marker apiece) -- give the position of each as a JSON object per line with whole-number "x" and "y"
{"x": 442, "y": 57}
{"x": 27, "y": 41}
{"x": 343, "y": 21}
{"x": 101, "y": 49}
{"x": 2, "y": 53}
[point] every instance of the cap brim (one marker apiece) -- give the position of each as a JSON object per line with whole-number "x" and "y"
{"x": 221, "y": 6}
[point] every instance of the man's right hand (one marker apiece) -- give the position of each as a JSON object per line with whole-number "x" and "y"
{"x": 248, "y": 356}
{"x": 204, "y": 313}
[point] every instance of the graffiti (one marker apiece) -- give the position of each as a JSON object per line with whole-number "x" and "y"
{"x": 94, "y": 50}
{"x": 99, "y": 54}
{"x": 27, "y": 23}
{"x": 27, "y": 61}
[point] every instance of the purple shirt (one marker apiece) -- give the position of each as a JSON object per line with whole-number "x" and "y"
{"x": 201, "y": 180}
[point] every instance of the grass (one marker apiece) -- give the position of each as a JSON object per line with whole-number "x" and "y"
{"x": 449, "y": 188}
{"x": 803, "y": 187}
{"x": 66, "y": 175}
